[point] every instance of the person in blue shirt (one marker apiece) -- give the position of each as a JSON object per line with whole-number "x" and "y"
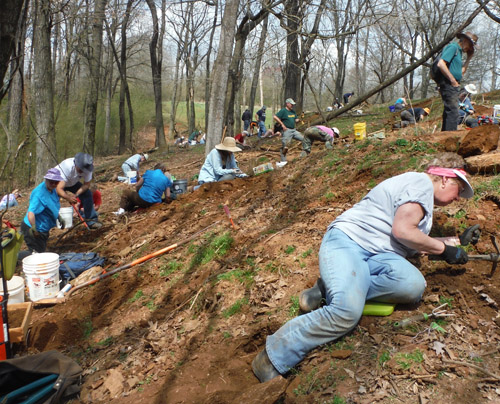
{"x": 400, "y": 104}
{"x": 452, "y": 71}
{"x": 132, "y": 164}
{"x": 466, "y": 110}
{"x": 43, "y": 212}
{"x": 149, "y": 190}
{"x": 261, "y": 119}
{"x": 220, "y": 164}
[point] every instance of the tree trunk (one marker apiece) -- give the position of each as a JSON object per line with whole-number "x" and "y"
{"x": 291, "y": 84}
{"x": 208, "y": 83}
{"x": 156, "y": 54}
{"x": 258, "y": 63}
{"x": 94, "y": 64}
{"x": 220, "y": 75}
{"x": 43, "y": 91}
{"x": 173, "y": 106}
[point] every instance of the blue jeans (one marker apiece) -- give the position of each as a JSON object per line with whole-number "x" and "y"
{"x": 262, "y": 128}
{"x": 87, "y": 201}
{"x": 246, "y": 124}
{"x": 351, "y": 276}
{"x": 449, "y": 95}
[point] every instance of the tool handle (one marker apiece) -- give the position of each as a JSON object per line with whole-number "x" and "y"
{"x": 407, "y": 321}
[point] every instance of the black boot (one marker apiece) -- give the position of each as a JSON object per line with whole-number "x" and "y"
{"x": 310, "y": 299}
{"x": 263, "y": 368}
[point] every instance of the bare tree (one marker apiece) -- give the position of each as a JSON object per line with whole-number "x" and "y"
{"x": 220, "y": 74}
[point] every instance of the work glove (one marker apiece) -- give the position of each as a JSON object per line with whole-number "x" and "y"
{"x": 33, "y": 232}
{"x": 470, "y": 235}
{"x": 61, "y": 222}
{"x": 453, "y": 255}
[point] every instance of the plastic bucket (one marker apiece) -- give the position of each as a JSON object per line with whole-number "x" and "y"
{"x": 67, "y": 215}
{"x": 132, "y": 177}
{"x": 180, "y": 186}
{"x": 392, "y": 108}
{"x": 15, "y": 287}
{"x": 42, "y": 275}
{"x": 496, "y": 111}
{"x": 359, "y": 131}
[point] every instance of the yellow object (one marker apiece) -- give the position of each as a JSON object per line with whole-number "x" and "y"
{"x": 378, "y": 309}
{"x": 360, "y": 131}
{"x": 11, "y": 243}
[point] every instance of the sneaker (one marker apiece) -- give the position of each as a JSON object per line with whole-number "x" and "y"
{"x": 95, "y": 225}
{"x": 304, "y": 154}
{"x": 310, "y": 299}
{"x": 263, "y": 368}
{"x": 119, "y": 212}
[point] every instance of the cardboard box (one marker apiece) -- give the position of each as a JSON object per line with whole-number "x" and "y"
{"x": 18, "y": 334}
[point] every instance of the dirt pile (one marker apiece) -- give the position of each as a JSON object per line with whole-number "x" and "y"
{"x": 184, "y": 328}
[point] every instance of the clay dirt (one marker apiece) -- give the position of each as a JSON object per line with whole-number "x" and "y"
{"x": 185, "y": 327}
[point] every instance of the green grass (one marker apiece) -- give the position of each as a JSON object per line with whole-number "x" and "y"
{"x": 289, "y": 249}
{"x": 246, "y": 277}
{"x": 136, "y": 296}
{"x": 213, "y": 246}
{"x": 87, "y": 327}
{"x": 235, "y": 308}
{"x": 406, "y": 360}
{"x": 171, "y": 267}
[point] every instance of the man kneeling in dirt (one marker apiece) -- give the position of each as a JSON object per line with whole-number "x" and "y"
{"x": 363, "y": 257}
{"x": 413, "y": 115}
{"x": 149, "y": 190}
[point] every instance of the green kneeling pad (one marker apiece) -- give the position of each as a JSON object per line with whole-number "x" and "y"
{"x": 378, "y": 309}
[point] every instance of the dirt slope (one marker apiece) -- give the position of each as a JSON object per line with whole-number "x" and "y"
{"x": 184, "y": 328}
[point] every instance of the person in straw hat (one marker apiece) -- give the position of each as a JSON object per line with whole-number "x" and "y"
{"x": 452, "y": 70}
{"x": 220, "y": 164}
{"x": 466, "y": 108}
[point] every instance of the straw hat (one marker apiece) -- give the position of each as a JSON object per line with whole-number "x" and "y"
{"x": 427, "y": 110}
{"x": 228, "y": 144}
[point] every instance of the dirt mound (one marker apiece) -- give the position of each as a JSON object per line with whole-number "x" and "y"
{"x": 184, "y": 327}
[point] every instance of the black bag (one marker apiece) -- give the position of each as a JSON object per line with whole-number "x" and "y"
{"x": 435, "y": 72}
{"x": 50, "y": 376}
{"x": 73, "y": 264}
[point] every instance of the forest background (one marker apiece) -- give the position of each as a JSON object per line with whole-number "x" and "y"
{"x": 83, "y": 75}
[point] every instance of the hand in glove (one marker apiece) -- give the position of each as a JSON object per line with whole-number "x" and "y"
{"x": 33, "y": 232}
{"x": 61, "y": 222}
{"x": 470, "y": 235}
{"x": 453, "y": 255}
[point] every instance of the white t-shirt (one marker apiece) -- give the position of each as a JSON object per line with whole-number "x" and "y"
{"x": 69, "y": 173}
{"x": 369, "y": 222}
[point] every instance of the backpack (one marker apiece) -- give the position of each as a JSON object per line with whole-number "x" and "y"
{"x": 73, "y": 264}
{"x": 50, "y": 376}
{"x": 435, "y": 71}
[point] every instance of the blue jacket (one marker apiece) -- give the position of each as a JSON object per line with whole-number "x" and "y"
{"x": 45, "y": 206}
{"x": 214, "y": 168}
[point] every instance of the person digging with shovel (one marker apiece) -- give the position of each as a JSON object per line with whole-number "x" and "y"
{"x": 363, "y": 257}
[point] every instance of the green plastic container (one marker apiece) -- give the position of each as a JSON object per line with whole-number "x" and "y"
{"x": 378, "y": 309}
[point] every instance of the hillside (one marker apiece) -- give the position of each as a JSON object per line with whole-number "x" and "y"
{"x": 184, "y": 327}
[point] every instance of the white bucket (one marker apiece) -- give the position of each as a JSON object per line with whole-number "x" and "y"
{"x": 42, "y": 275}
{"x": 15, "y": 287}
{"x": 496, "y": 111}
{"x": 132, "y": 177}
{"x": 67, "y": 215}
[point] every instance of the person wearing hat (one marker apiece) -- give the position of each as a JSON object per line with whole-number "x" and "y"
{"x": 73, "y": 170}
{"x": 320, "y": 133}
{"x": 452, "y": 70}
{"x": 466, "y": 109}
{"x": 287, "y": 117}
{"x": 149, "y": 190}
{"x": 261, "y": 119}
{"x": 240, "y": 140}
{"x": 363, "y": 256}
{"x": 220, "y": 164}
{"x": 413, "y": 115}
{"x": 132, "y": 164}
{"x": 10, "y": 200}
{"x": 43, "y": 212}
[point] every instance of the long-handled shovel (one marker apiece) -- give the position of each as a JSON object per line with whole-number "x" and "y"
{"x": 80, "y": 216}
{"x": 141, "y": 260}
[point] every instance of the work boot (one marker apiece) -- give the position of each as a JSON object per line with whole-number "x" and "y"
{"x": 263, "y": 368}
{"x": 95, "y": 225}
{"x": 283, "y": 153}
{"x": 310, "y": 299}
{"x": 304, "y": 154}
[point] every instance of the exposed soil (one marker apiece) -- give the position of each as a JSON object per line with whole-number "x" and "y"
{"x": 177, "y": 329}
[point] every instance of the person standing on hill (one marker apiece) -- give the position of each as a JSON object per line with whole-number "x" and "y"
{"x": 452, "y": 70}
{"x": 287, "y": 117}
{"x": 261, "y": 119}
{"x": 246, "y": 117}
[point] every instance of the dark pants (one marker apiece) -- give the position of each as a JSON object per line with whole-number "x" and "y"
{"x": 86, "y": 198}
{"x": 449, "y": 95}
{"x": 130, "y": 199}
{"x": 37, "y": 244}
